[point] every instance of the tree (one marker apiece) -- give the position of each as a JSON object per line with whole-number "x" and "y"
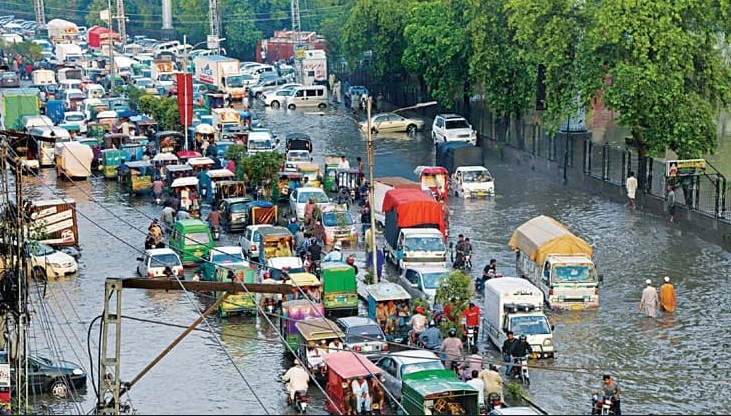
{"x": 457, "y": 286}
{"x": 163, "y": 109}
{"x": 28, "y": 50}
{"x": 507, "y": 80}
{"x": 436, "y": 49}
{"x": 376, "y": 26}
{"x": 237, "y": 152}
{"x": 241, "y": 34}
{"x": 262, "y": 168}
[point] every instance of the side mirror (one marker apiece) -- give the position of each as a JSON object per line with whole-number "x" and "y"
{"x": 139, "y": 258}
{"x": 601, "y": 278}
{"x": 553, "y": 327}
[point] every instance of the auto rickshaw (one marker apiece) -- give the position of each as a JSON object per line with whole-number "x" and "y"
{"x": 115, "y": 140}
{"x": 214, "y": 100}
{"x": 109, "y": 161}
{"x": 228, "y": 189}
{"x": 144, "y": 126}
{"x": 189, "y": 184}
{"x": 96, "y": 130}
{"x": 320, "y": 331}
{"x": 169, "y": 141}
{"x": 344, "y": 368}
{"x": 261, "y": 212}
{"x": 392, "y": 295}
{"x": 294, "y": 311}
{"x": 298, "y": 141}
{"x": 239, "y": 303}
{"x": 437, "y": 392}
{"x": 349, "y": 179}
{"x": 219, "y": 175}
{"x": 312, "y": 172}
{"x": 304, "y": 283}
{"x": 288, "y": 181}
{"x": 275, "y": 242}
{"x": 331, "y": 176}
{"x": 173, "y": 172}
{"x": 434, "y": 179}
{"x": 137, "y": 178}
{"x": 198, "y": 163}
{"x": 339, "y": 292}
{"x": 204, "y": 132}
{"x": 161, "y": 160}
{"x": 133, "y": 151}
{"x": 186, "y": 155}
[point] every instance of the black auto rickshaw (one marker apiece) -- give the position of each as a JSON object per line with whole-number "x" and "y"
{"x": 215, "y": 100}
{"x": 349, "y": 179}
{"x": 169, "y": 141}
{"x": 116, "y": 140}
{"x": 144, "y": 126}
{"x": 228, "y": 189}
{"x": 298, "y": 141}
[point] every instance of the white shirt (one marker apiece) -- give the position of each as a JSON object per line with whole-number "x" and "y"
{"x": 359, "y": 389}
{"x": 478, "y": 385}
{"x": 335, "y": 348}
{"x": 344, "y": 164}
{"x": 631, "y": 186}
{"x": 335, "y": 255}
{"x": 297, "y": 377}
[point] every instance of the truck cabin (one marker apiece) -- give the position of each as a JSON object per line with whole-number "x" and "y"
{"x": 563, "y": 270}
{"x": 519, "y": 319}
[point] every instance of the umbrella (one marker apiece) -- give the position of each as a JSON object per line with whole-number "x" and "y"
{"x": 204, "y": 128}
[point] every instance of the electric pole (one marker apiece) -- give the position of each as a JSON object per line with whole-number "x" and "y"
{"x": 214, "y": 15}
{"x": 121, "y": 22}
{"x": 40, "y": 12}
{"x": 297, "y": 37}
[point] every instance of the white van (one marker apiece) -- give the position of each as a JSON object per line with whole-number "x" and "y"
{"x": 309, "y": 96}
{"x": 95, "y": 91}
{"x": 46, "y": 150}
{"x": 171, "y": 46}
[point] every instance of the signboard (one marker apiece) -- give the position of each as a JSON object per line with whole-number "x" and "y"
{"x": 185, "y": 98}
{"x": 229, "y": 67}
{"x": 4, "y": 383}
{"x": 687, "y": 167}
{"x": 57, "y": 220}
{"x": 104, "y": 15}
{"x": 212, "y": 42}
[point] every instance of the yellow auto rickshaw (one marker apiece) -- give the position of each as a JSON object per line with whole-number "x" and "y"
{"x": 310, "y": 171}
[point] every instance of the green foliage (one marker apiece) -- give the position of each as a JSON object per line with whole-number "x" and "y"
{"x": 513, "y": 391}
{"x": 134, "y": 94}
{"x": 163, "y": 109}
{"x": 244, "y": 32}
{"x": 29, "y": 50}
{"x": 457, "y": 286}
{"x": 436, "y": 48}
{"x": 262, "y": 168}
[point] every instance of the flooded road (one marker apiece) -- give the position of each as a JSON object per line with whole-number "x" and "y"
{"x": 674, "y": 364}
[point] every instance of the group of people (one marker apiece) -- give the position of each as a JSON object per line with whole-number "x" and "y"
{"x": 650, "y": 301}
{"x": 391, "y": 317}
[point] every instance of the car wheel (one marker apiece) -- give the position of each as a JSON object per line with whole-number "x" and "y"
{"x": 275, "y": 104}
{"x": 59, "y": 389}
{"x": 321, "y": 106}
{"x": 291, "y": 106}
{"x": 411, "y": 129}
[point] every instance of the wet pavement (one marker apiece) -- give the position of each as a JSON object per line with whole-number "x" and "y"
{"x": 672, "y": 364}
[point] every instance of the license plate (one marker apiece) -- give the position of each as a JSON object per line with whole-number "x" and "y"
{"x": 198, "y": 253}
{"x": 367, "y": 348}
{"x": 575, "y": 307}
{"x": 341, "y": 298}
{"x": 534, "y": 355}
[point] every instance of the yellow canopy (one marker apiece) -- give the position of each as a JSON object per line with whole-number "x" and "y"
{"x": 305, "y": 279}
{"x": 544, "y": 235}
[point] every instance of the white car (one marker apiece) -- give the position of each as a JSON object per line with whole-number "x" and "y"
{"x": 153, "y": 263}
{"x": 228, "y": 256}
{"x": 146, "y": 84}
{"x": 249, "y": 241}
{"x": 472, "y": 181}
{"x": 299, "y": 197}
{"x": 294, "y": 158}
{"x": 276, "y": 98}
{"x": 77, "y": 118}
{"x": 423, "y": 281}
{"x": 51, "y": 262}
{"x": 391, "y": 122}
{"x": 452, "y": 128}
{"x": 269, "y": 85}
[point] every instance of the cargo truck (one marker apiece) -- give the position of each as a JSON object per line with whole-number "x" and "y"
{"x": 162, "y": 71}
{"x": 220, "y": 74}
{"x": 514, "y": 304}
{"x": 68, "y": 52}
{"x": 415, "y": 229}
{"x": 314, "y": 67}
{"x": 16, "y": 104}
{"x": 558, "y": 262}
{"x": 383, "y": 185}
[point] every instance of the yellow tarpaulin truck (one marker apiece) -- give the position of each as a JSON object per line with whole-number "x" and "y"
{"x": 558, "y": 262}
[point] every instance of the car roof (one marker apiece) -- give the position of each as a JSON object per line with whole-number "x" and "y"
{"x": 310, "y": 189}
{"x": 429, "y": 269}
{"x": 158, "y": 251}
{"x": 349, "y": 321}
{"x": 414, "y": 356}
{"x": 226, "y": 250}
{"x": 238, "y": 199}
{"x": 450, "y": 115}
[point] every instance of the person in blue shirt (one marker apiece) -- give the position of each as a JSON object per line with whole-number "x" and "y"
{"x": 204, "y": 183}
{"x": 432, "y": 337}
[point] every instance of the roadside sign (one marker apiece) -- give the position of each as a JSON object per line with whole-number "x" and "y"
{"x": 212, "y": 42}
{"x": 686, "y": 167}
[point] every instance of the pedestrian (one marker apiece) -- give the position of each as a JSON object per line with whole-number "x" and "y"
{"x": 667, "y": 296}
{"x": 649, "y": 300}
{"x": 631, "y": 188}
{"x": 670, "y": 201}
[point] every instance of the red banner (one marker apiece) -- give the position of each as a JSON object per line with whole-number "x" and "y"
{"x": 185, "y": 98}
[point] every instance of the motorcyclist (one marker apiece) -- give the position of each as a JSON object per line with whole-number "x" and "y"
{"x": 507, "y": 347}
{"x": 493, "y": 381}
{"x": 521, "y": 349}
{"x": 336, "y": 254}
{"x": 351, "y": 262}
{"x": 417, "y": 323}
{"x": 214, "y": 217}
{"x": 292, "y": 225}
{"x": 432, "y": 337}
{"x": 460, "y": 252}
{"x": 471, "y": 319}
{"x": 488, "y": 273}
{"x": 474, "y": 361}
{"x": 611, "y": 389}
{"x": 343, "y": 196}
{"x": 452, "y": 349}
{"x": 297, "y": 380}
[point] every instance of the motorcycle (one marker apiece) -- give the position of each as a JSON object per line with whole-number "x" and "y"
{"x": 492, "y": 402}
{"x": 602, "y": 405}
{"x": 270, "y": 304}
{"x": 480, "y": 281}
{"x": 300, "y": 401}
{"x": 470, "y": 337}
{"x": 216, "y": 231}
{"x": 520, "y": 370}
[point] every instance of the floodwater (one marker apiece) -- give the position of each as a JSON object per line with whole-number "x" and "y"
{"x": 673, "y": 364}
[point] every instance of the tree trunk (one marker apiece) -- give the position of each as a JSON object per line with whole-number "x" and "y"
{"x": 642, "y": 161}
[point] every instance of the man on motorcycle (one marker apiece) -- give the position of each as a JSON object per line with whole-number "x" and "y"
{"x": 507, "y": 347}
{"x": 460, "y": 252}
{"x": 473, "y": 362}
{"x": 521, "y": 349}
{"x": 336, "y": 254}
{"x": 493, "y": 381}
{"x": 417, "y": 324}
{"x": 471, "y": 319}
{"x": 431, "y": 339}
{"x": 214, "y": 217}
{"x": 452, "y": 348}
{"x": 297, "y": 378}
{"x": 487, "y": 273}
{"x": 611, "y": 389}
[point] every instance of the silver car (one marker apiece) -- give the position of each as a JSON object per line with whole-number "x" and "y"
{"x": 363, "y": 335}
{"x": 398, "y": 364}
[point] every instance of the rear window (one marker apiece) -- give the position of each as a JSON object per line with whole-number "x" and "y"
{"x": 457, "y": 124}
{"x": 364, "y": 333}
{"x": 240, "y": 207}
{"x": 162, "y": 260}
{"x": 194, "y": 239}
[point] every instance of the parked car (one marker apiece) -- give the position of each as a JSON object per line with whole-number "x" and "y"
{"x": 299, "y": 197}
{"x": 354, "y": 90}
{"x": 423, "y": 281}
{"x": 398, "y": 364}
{"x": 249, "y": 241}
{"x": 153, "y": 263}
{"x": 363, "y": 335}
{"x": 146, "y": 84}
{"x": 452, "y": 128}
{"x": 9, "y": 79}
{"x": 268, "y": 85}
{"x": 392, "y": 122}
{"x": 60, "y": 378}
{"x": 49, "y": 262}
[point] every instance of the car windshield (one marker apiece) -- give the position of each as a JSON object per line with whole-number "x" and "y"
{"x": 144, "y": 82}
{"x": 41, "y": 250}
{"x": 162, "y": 260}
{"x": 336, "y": 219}
{"x": 530, "y": 325}
{"x": 320, "y": 197}
{"x": 220, "y": 258}
{"x": 194, "y": 239}
{"x": 457, "y": 124}
{"x": 417, "y": 367}
{"x": 364, "y": 333}
{"x": 74, "y": 117}
{"x": 574, "y": 273}
{"x": 165, "y": 77}
{"x": 260, "y": 144}
{"x": 476, "y": 176}
{"x": 431, "y": 280}
{"x": 238, "y": 207}
{"x": 298, "y": 156}
{"x": 424, "y": 243}
{"x": 235, "y": 81}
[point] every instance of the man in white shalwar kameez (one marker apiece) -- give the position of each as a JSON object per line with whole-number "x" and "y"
{"x": 650, "y": 300}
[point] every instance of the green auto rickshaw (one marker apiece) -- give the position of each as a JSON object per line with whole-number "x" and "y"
{"x": 437, "y": 392}
{"x": 339, "y": 291}
{"x": 330, "y": 178}
{"x": 137, "y": 179}
{"x": 239, "y": 303}
{"x": 393, "y": 295}
{"x": 109, "y": 161}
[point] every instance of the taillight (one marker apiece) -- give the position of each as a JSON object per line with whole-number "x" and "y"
{"x": 357, "y": 348}
{"x": 252, "y": 248}
{"x": 385, "y": 347}
{"x": 550, "y": 292}
{"x": 150, "y": 273}
{"x": 596, "y": 291}
{"x": 180, "y": 272}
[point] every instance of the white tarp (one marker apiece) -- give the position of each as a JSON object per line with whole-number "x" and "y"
{"x": 59, "y": 28}
{"x": 74, "y": 159}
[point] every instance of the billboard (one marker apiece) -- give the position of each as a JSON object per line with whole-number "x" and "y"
{"x": 686, "y": 167}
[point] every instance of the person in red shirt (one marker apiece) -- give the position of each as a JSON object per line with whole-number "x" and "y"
{"x": 471, "y": 318}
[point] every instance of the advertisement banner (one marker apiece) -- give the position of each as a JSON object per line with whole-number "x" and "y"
{"x": 687, "y": 167}
{"x": 185, "y": 98}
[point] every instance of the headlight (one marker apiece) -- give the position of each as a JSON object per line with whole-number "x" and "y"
{"x": 77, "y": 372}
{"x": 547, "y": 342}
{"x": 55, "y": 265}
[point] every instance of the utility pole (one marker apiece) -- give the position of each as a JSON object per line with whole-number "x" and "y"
{"x": 107, "y": 15}
{"x": 214, "y": 18}
{"x": 40, "y": 12}
{"x": 121, "y": 22}
{"x": 297, "y": 37}
{"x": 371, "y": 201}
